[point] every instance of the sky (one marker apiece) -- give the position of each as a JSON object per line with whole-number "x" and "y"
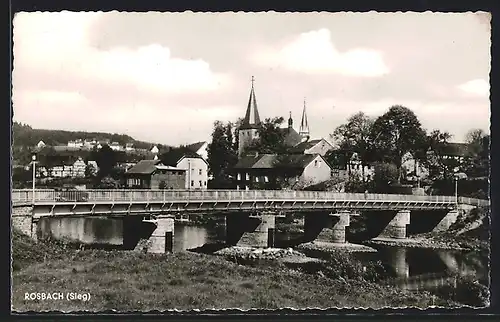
{"x": 166, "y": 77}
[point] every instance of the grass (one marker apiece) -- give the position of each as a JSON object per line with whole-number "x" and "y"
{"x": 129, "y": 281}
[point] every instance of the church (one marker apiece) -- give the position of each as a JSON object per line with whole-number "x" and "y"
{"x": 303, "y": 165}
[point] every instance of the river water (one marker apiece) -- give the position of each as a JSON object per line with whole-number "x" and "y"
{"x": 404, "y": 264}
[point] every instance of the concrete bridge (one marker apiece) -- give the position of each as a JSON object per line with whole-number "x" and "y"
{"x": 250, "y": 214}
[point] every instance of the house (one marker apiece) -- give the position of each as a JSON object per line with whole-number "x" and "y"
{"x": 89, "y": 144}
{"x": 78, "y": 169}
{"x": 196, "y": 167}
{"x": 453, "y": 151}
{"x": 356, "y": 168}
{"x": 317, "y": 146}
{"x": 129, "y": 147}
{"x": 200, "y": 148}
{"x": 154, "y": 150}
{"x": 76, "y": 144}
{"x": 40, "y": 144}
{"x": 270, "y": 171}
{"x": 152, "y": 174}
{"x": 115, "y": 146}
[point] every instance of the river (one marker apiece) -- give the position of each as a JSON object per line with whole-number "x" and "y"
{"x": 410, "y": 266}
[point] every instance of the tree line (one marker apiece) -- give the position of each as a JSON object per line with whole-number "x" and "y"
{"x": 385, "y": 142}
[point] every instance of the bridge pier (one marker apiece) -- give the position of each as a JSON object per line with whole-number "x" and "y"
{"x": 329, "y": 226}
{"x": 256, "y": 230}
{"x": 397, "y": 226}
{"x": 162, "y": 238}
{"x": 449, "y": 219}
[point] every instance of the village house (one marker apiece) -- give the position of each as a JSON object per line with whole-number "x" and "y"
{"x": 317, "y": 146}
{"x": 76, "y": 144}
{"x": 196, "y": 167}
{"x": 200, "y": 148}
{"x": 40, "y": 144}
{"x": 115, "y": 146}
{"x": 270, "y": 171}
{"x": 155, "y": 150}
{"x": 129, "y": 147}
{"x": 152, "y": 174}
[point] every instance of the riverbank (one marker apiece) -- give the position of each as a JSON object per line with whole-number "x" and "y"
{"x": 132, "y": 281}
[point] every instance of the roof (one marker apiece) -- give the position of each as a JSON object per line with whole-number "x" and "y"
{"x": 196, "y": 146}
{"x": 252, "y": 118}
{"x": 292, "y": 138}
{"x": 144, "y": 167}
{"x": 173, "y": 156}
{"x": 303, "y": 146}
{"x": 454, "y": 149}
{"x": 271, "y": 161}
{"x": 167, "y": 167}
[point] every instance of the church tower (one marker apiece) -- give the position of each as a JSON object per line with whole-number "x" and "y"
{"x": 249, "y": 127}
{"x": 304, "y": 126}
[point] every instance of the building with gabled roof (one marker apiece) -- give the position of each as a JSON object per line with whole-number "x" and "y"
{"x": 152, "y": 174}
{"x": 200, "y": 148}
{"x": 268, "y": 171}
{"x": 196, "y": 167}
{"x": 317, "y": 146}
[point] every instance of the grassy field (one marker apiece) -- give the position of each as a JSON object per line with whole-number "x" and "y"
{"x": 125, "y": 281}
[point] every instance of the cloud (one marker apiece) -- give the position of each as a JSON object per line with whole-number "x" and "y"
{"x": 58, "y": 44}
{"x": 314, "y": 52}
{"x": 478, "y": 87}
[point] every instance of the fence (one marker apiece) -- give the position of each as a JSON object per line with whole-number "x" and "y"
{"x": 26, "y": 196}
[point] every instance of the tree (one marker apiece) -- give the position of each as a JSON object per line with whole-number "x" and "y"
{"x": 222, "y": 154}
{"x": 385, "y": 175}
{"x": 108, "y": 183}
{"x": 396, "y": 133}
{"x": 355, "y": 137}
{"x": 478, "y": 159}
{"x": 271, "y": 137}
{"x": 90, "y": 171}
{"x": 106, "y": 161}
{"x": 435, "y": 161}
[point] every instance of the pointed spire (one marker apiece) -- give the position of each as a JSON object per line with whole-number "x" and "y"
{"x": 252, "y": 118}
{"x": 304, "y": 126}
{"x": 290, "y": 121}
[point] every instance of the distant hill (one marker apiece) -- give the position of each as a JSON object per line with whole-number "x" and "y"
{"x": 24, "y": 135}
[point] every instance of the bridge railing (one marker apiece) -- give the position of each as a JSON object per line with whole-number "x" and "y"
{"x": 474, "y": 202}
{"x": 26, "y": 195}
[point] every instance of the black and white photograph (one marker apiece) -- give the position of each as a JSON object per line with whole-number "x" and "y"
{"x": 190, "y": 161}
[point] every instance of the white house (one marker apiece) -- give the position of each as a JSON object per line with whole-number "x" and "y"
{"x": 200, "y": 148}
{"x": 115, "y": 146}
{"x": 196, "y": 167}
{"x": 155, "y": 150}
{"x": 129, "y": 147}
{"x": 75, "y": 144}
{"x": 317, "y": 146}
{"x": 40, "y": 144}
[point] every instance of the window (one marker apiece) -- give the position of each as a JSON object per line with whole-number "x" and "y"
{"x": 192, "y": 183}
{"x": 266, "y": 179}
{"x": 247, "y": 176}
{"x": 316, "y": 163}
{"x": 200, "y": 183}
{"x": 205, "y": 183}
{"x": 246, "y": 188}
{"x": 238, "y": 177}
{"x": 256, "y": 179}
{"x": 199, "y": 172}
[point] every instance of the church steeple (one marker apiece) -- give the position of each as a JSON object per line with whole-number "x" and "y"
{"x": 290, "y": 121}
{"x": 304, "y": 126}
{"x": 252, "y": 118}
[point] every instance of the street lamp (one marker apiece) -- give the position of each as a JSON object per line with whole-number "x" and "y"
{"x": 33, "y": 161}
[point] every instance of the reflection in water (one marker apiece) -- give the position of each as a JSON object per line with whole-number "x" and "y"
{"x": 187, "y": 237}
{"x": 425, "y": 267}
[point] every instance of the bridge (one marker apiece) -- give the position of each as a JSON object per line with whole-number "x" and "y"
{"x": 250, "y": 214}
